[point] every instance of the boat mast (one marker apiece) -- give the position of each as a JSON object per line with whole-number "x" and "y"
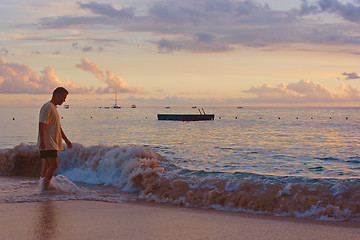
{"x": 115, "y": 100}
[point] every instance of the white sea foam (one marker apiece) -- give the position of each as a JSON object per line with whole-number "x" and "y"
{"x": 114, "y": 166}
{"x": 63, "y": 184}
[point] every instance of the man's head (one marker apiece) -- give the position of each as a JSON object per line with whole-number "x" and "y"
{"x": 59, "y": 96}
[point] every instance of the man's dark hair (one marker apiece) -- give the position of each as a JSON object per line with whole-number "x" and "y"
{"x": 60, "y": 90}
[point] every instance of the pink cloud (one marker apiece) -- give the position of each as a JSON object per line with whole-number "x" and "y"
{"x": 92, "y": 67}
{"x": 303, "y": 91}
{"x": 312, "y": 90}
{"x": 114, "y": 82}
{"x": 20, "y": 78}
{"x": 351, "y": 92}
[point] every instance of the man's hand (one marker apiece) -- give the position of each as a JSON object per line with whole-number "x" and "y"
{"x": 69, "y": 144}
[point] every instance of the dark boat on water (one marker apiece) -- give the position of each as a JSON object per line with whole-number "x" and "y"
{"x": 187, "y": 117}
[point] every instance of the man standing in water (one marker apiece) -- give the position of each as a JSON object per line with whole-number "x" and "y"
{"x": 50, "y": 136}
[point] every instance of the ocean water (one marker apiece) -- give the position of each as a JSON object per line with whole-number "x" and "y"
{"x": 301, "y": 162}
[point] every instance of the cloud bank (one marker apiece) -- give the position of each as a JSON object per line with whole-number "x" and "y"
{"x": 219, "y": 25}
{"x": 301, "y": 93}
{"x": 16, "y": 78}
{"x": 304, "y": 92}
{"x": 348, "y": 11}
{"x": 20, "y": 78}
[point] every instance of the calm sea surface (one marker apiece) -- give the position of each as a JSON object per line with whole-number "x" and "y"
{"x": 286, "y": 149}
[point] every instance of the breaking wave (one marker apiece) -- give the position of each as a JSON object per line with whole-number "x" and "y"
{"x": 22, "y": 160}
{"x": 143, "y": 172}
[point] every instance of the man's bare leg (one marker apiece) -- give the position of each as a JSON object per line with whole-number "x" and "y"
{"x": 53, "y": 164}
{"x": 44, "y": 167}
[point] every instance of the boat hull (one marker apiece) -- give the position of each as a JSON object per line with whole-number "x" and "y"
{"x": 186, "y": 117}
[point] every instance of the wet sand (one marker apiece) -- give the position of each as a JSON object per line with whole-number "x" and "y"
{"x": 92, "y": 220}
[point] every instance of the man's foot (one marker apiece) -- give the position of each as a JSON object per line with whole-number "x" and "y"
{"x": 44, "y": 184}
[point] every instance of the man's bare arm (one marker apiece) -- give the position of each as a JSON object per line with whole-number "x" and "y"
{"x": 68, "y": 143}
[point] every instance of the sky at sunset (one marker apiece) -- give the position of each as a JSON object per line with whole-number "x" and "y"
{"x": 188, "y": 52}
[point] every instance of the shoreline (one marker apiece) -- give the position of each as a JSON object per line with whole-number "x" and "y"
{"x": 78, "y": 219}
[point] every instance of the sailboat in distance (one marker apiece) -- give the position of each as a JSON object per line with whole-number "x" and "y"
{"x": 115, "y": 105}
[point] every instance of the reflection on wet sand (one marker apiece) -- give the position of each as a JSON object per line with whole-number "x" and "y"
{"x": 45, "y": 225}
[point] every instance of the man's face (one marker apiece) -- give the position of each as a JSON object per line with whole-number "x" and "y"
{"x": 60, "y": 98}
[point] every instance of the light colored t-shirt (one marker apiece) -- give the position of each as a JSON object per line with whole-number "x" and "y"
{"x": 50, "y": 116}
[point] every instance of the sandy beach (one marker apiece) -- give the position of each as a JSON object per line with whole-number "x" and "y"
{"x": 101, "y": 220}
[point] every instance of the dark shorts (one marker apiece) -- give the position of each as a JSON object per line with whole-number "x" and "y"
{"x": 48, "y": 153}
